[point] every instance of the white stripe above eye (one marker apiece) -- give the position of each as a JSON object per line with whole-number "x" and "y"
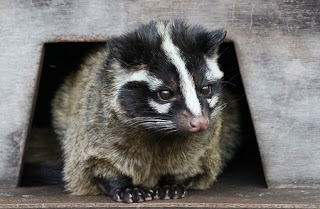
{"x": 143, "y": 75}
{"x": 214, "y": 72}
{"x": 160, "y": 108}
{"x": 122, "y": 77}
{"x": 186, "y": 81}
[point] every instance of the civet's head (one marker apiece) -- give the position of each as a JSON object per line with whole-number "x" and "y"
{"x": 166, "y": 76}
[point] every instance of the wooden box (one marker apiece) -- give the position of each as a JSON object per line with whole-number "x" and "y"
{"x": 277, "y": 45}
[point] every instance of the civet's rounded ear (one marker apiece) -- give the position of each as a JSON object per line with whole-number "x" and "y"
{"x": 211, "y": 41}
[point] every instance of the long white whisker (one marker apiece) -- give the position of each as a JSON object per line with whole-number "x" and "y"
{"x": 151, "y": 123}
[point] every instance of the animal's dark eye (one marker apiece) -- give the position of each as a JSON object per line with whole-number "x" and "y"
{"x": 165, "y": 94}
{"x": 206, "y": 90}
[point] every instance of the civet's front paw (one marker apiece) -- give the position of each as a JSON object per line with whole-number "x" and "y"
{"x": 128, "y": 195}
{"x": 169, "y": 192}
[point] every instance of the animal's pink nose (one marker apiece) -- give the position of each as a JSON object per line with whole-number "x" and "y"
{"x": 198, "y": 123}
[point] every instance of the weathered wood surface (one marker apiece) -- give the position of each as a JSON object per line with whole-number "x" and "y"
{"x": 278, "y": 48}
{"x": 237, "y": 188}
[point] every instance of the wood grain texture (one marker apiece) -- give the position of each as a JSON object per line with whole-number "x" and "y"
{"x": 236, "y": 188}
{"x": 277, "y": 44}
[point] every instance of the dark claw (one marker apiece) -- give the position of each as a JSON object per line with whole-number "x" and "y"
{"x": 156, "y": 192}
{"x": 148, "y": 194}
{"x": 127, "y": 196}
{"x": 181, "y": 192}
{"x": 137, "y": 195}
{"x": 117, "y": 196}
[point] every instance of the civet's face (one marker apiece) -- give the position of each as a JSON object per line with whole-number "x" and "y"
{"x": 167, "y": 76}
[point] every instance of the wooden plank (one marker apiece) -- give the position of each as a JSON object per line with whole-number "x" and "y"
{"x": 278, "y": 51}
{"x": 237, "y": 188}
{"x": 286, "y": 121}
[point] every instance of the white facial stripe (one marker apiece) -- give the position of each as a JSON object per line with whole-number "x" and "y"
{"x": 213, "y": 101}
{"x": 214, "y": 72}
{"x": 160, "y": 108}
{"x": 186, "y": 81}
{"x": 141, "y": 75}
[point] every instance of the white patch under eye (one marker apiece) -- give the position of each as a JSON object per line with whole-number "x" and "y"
{"x": 213, "y": 101}
{"x": 160, "y": 108}
{"x": 214, "y": 72}
{"x": 186, "y": 81}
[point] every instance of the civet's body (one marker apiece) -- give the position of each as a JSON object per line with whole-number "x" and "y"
{"x": 144, "y": 116}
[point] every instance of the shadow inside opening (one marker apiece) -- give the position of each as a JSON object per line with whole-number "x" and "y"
{"x": 42, "y": 160}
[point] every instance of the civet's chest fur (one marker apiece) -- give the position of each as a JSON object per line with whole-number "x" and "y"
{"x": 143, "y": 117}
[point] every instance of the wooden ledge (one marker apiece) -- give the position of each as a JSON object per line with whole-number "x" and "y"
{"x": 237, "y": 188}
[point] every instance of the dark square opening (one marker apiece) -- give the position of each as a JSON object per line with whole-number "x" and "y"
{"x": 42, "y": 159}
